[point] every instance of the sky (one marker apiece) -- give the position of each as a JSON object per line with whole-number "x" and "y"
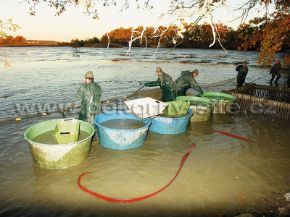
{"x": 75, "y": 24}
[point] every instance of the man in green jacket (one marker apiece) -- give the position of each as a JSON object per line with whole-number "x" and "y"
{"x": 186, "y": 81}
{"x": 242, "y": 74}
{"x": 166, "y": 84}
{"x": 275, "y": 71}
{"x": 90, "y": 95}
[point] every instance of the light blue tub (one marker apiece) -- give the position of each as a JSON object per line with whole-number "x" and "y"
{"x": 166, "y": 125}
{"x": 121, "y": 139}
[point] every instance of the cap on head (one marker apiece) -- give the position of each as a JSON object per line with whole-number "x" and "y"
{"x": 195, "y": 71}
{"x": 89, "y": 74}
{"x": 159, "y": 69}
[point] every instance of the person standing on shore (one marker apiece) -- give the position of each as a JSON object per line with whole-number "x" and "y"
{"x": 275, "y": 72}
{"x": 242, "y": 74}
{"x": 90, "y": 95}
{"x": 187, "y": 81}
{"x": 166, "y": 84}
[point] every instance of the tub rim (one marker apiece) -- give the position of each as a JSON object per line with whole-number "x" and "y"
{"x": 209, "y": 94}
{"x": 74, "y": 143}
{"x": 144, "y": 120}
{"x": 189, "y": 114}
{"x": 198, "y": 99}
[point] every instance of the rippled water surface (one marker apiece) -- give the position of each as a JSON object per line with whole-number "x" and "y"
{"x": 47, "y": 76}
{"x": 222, "y": 174}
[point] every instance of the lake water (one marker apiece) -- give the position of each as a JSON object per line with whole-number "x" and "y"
{"x": 222, "y": 175}
{"x": 47, "y": 77}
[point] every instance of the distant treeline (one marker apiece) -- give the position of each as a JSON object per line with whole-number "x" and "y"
{"x": 10, "y": 40}
{"x": 245, "y": 37}
{"x": 21, "y": 41}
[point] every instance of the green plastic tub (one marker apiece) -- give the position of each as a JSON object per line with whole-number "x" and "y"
{"x": 222, "y": 101}
{"x": 195, "y": 100}
{"x": 58, "y": 156}
{"x": 176, "y": 108}
{"x": 201, "y": 107}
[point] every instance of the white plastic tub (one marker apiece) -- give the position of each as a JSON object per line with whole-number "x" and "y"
{"x": 145, "y": 107}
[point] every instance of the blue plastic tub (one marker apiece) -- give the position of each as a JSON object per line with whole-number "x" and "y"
{"x": 121, "y": 139}
{"x": 166, "y": 125}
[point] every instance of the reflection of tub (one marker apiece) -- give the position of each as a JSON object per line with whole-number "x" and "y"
{"x": 166, "y": 125}
{"x": 201, "y": 107}
{"x": 222, "y": 101}
{"x": 58, "y": 156}
{"x": 121, "y": 139}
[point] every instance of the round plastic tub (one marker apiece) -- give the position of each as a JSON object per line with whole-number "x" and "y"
{"x": 58, "y": 156}
{"x": 222, "y": 101}
{"x": 167, "y": 125}
{"x": 201, "y": 107}
{"x": 195, "y": 100}
{"x": 121, "y": 139}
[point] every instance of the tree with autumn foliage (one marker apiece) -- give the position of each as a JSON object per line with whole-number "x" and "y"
{"x": 10, "y": 40}
{"x": 269, "y": 34}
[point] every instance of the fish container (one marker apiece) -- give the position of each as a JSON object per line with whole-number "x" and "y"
{"x": 222, "y": 101}
{"x": 121, "y": 139}
{"x": 176, "y": 108}
{"x": 145, "y": 107}
{"x": 58, "y": 156}
{"x": 168, "y": 125}
{"x": 201, "y": 107}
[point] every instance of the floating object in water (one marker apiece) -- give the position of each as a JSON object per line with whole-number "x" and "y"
{"x": 136, "y": 199}
{"x": 234, "y": 136}
{"x": 8, "y": 63}
{"x": 132, "y": 135}
{"x": 176, "y": 108}
{"x": 145, "y": 107}
{"x": 67, "y": 131}
{"x": 119, "y": 59}
{"x": 201, "y": 107}
{"x": 48, "y": 154}
{"x": 222, "y": 101}
{"x": 167, "y": 125}
{"x": 18, "y": 119}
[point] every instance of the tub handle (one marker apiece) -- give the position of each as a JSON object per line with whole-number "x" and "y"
{"x": 64, "y": 133}
{"x": 68, "y": 119}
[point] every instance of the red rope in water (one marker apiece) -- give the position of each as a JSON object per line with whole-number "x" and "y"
{"x": 234, "y": 136}
{"x": 131, "y": 200}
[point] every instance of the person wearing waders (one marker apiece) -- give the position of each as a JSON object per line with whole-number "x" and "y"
{"x": 187, "y": 81}
{"x": 242, "y": 74}
{"x": 90, "y": 95}
{"x": 166, "y": 84}
{"x": 275, "y": 72}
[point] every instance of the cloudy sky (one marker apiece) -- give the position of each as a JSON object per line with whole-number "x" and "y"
{"x": 74, "y": 24}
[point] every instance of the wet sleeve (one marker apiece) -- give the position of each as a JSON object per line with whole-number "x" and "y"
{"x": 99, "y": 91}
{"x": 151, "y": 84}
{"x": 195, "y": 85}
{"x": 79, "y": 93}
